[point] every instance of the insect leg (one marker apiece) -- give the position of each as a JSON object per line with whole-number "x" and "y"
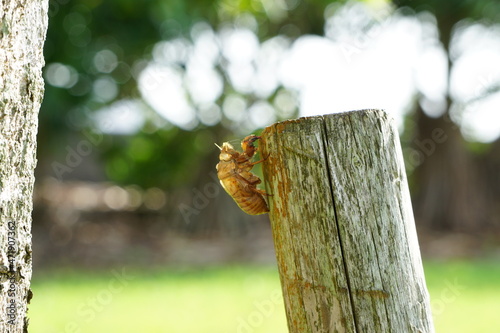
{"x": 252, "y": 180}
{"x": 251, "y": 184}
{"x": 262, "y": 192}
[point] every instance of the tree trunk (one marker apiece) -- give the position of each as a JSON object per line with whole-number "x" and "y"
{"x": 23, "y": 26}
{"x": 343, "y": 227}
{"x": 449, "y": 193}
{"x": 456, "y": 190}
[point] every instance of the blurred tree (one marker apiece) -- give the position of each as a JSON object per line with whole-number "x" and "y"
{"x": 457, "y": 187}
{"x": 106, "y": 57}
{"x": 97, "y": 52}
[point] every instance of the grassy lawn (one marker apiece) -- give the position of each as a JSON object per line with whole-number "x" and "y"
{"x": 465, "y": 298}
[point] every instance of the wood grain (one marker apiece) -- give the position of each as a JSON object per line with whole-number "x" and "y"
{"x": 343, "y": 225}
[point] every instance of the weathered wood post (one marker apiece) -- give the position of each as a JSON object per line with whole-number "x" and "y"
{"x": 343, "y": 226}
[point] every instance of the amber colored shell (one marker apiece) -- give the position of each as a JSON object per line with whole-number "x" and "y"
{"x": 235, "y": 177}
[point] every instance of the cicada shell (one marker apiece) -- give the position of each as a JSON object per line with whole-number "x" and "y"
{"x": 236, "y": 178}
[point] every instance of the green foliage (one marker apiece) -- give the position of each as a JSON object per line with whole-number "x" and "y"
{"x": 164, "y": 158}
{"x": 455, "y": 9}
{"x": 96, "y": 50}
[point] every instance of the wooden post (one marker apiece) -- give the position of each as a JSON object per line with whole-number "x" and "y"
{"x": 343, "y": 226}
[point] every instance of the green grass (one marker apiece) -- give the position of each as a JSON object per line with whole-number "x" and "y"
{"x": 465, "y": 298}
{"x": 212, "y": 301}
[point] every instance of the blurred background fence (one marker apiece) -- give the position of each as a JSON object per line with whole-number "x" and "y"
{"x": 99, "y": 225}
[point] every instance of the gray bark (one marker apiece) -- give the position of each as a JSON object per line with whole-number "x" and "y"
{"x": 343, "y": 226}
{"x": 23, "y": 25}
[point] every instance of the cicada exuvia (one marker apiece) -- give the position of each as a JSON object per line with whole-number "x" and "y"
{"x": 236, "y": 178}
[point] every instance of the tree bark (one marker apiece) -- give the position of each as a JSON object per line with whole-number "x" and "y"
{"x": 23, "y": 26}
{"x": 343, "y": 227}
